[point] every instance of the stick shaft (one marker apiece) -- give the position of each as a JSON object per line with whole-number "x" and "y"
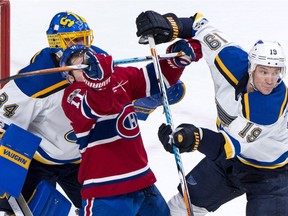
{"x": 43, "y": 71}
{"x": 168, "y": 115}
{"x": 147, "y": 58}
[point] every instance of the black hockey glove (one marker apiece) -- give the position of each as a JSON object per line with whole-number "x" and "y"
{"x": 186, "y": 137}
{"x": 164, "y": 28}
{"x": 165, "y": 136}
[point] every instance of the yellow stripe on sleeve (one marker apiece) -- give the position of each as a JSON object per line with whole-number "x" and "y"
{"x": 228, "y": 147}
{"x": 49, "y": 89}
{"x": 283, "y": 104}
{"x": 246, "y": 106}
{"x": 225, "y": 70}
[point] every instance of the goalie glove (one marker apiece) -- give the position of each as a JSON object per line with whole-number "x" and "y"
{"x": 163, "y": 28}
{"x": 98, "y": 73}
{"x": 186, "y": 137}
{"x": 191, "y": 48}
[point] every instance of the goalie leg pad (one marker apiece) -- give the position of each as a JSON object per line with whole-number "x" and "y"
{"x": 47, "y": 200}
{"x": 17, "y": 148}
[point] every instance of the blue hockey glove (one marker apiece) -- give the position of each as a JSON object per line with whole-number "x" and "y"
{"x": 99, "y": 70}
{"x": 191, "y": 48}
{"x": 186, "y": 137}
{"x": 94, "y": 70}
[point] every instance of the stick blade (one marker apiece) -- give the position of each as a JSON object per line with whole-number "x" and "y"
{"x": 78, "y": 67}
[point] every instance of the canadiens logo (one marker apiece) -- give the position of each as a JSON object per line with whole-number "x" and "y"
{"x": 127, "y": 123}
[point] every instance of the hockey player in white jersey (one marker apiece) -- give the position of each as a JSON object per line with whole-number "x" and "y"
{"x": 249, "y": 153}
{"x": 34, "y": 103}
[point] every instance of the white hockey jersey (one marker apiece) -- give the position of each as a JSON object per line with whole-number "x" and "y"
{"x": 254, "y": 125}
{"x": 41, "y": 116}
{"x": 34, "y": 103}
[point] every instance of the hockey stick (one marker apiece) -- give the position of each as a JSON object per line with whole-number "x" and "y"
{"x": 169, "y": 121}
{"x": 19, "y": 205}
{"x": 81, "y": 66}
{"x": 147, "y": 58}
{"x": 44, "y": 71}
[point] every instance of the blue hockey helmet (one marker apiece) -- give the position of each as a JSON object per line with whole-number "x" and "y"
{"x": 72, "y": 52}
{"x": 68, "y": 28}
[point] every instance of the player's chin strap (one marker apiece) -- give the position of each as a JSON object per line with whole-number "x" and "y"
{"x": 168, "y": 115}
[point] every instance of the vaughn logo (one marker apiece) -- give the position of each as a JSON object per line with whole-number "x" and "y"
{"x": 14, "y": 157}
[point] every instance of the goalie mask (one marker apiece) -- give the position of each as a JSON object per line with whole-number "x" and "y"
{"x": 66, "y": 29}
{"x": 269, "y": 54}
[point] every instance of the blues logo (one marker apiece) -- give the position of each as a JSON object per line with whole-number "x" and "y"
{"x": 70, "y": 136}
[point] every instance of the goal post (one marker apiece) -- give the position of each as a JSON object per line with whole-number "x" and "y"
{"x": 4, "y": 39}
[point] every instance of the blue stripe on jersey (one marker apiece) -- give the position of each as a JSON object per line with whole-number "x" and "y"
{"x": 153, "y": 79}
{"x": 117, "y": 180}
{"x": 86, "y": 109}
{"x": 281, "y": 161}
{"x": 99, "y": 132}
{"x": 53, "y": 160}
{"x": 232, "y": 63}
{"x": 265, "y": 109}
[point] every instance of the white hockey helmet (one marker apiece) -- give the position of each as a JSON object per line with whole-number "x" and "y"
{"x": 267, "y": 53}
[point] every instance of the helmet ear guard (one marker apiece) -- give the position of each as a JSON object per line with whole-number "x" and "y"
{"x": 66, "y": 28}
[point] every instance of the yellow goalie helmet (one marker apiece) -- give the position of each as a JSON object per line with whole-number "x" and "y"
{"x": 66, "y": 29}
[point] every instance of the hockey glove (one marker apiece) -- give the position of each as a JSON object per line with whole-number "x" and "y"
{"x": 191, "y": 48}
{"x": 165, "y": 136}
{"x": 186, "y": 137}
{"x": 163, "y": 28}
{"x": 98, "y": 73}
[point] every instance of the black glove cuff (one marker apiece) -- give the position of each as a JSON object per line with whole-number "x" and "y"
{"x": 175, "y": 24}
{"x": 186, "y": 24}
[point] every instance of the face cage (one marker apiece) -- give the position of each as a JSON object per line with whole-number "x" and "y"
{"x": 62, "y": 40}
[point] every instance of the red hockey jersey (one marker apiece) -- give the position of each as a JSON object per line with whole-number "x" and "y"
{"x": 114, "y": 160}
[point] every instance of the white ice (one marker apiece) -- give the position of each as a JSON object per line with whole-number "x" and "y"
{"x": 113, "y": 22}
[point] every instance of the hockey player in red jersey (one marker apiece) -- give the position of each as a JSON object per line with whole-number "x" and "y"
{"x": 114, "y": 170}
